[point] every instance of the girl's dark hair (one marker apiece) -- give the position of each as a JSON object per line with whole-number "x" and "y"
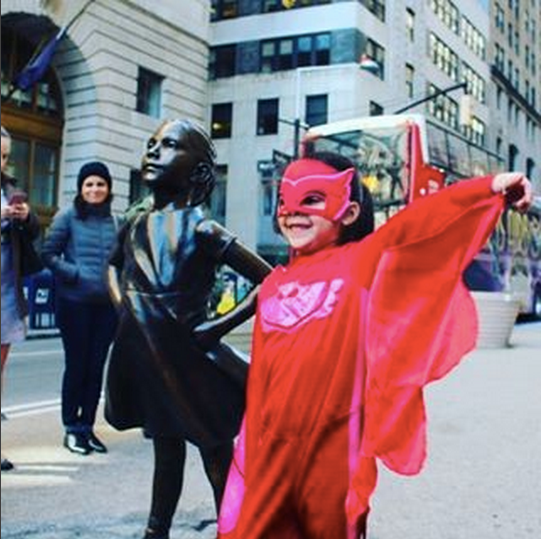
{"x": 364, "y": 224}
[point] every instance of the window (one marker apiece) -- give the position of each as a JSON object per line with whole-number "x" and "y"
{"x": 149, "y": 93}
{"x": 316, "y": 109}
{"x": 375, "y": 109}
{"x": 218, "y": 198}
{"x": 35, "y": 120}
{"x": 223, "y": 9}
{"x": 513, "y": 157}
{"x": 410, "y": 79}
{"x": 448, "y": 13}
{"x": 267, "y": 116}
{"x": 269, "y": 186}
{"x": 443, "y": 57}
{"x": 410, "y": 24}
{"x": 377, "y": 53}
{"x": 473, "y": 38}
{"x": 268, "y": 6}
{"x": 377, "y": 7}
{"x": 500, "y": 18}
{"x": 36, "y": 164}
{"x": 222, "y": 61}
{"x": 476, "y": 131}
{"x": 138, "y": 188}
{"x": 292, "y": 52}
{"x": 499, "y": 58}
{"x": 221, "y": 121}
{"x": 530, "y": 167}
{"x": 475, "y": 85}
{"x": 443, "y": 108}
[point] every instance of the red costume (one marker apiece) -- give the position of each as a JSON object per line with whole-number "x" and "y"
{"x": 344, "y": 342}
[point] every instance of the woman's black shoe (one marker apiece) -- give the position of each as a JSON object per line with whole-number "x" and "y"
{"x": 77, "y": 443}
{"x": 7, "y": 465}
{"x": 96, "y": 444}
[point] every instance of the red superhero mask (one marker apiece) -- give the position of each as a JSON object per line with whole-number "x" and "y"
{"x": 308, "y": 176}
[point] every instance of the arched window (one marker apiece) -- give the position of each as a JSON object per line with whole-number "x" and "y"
{"x": 34, "y": 119}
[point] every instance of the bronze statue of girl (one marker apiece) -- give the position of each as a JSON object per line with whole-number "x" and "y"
{"x": 168, "y": 372}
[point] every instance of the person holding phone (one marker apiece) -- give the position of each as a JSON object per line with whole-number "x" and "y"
{"x": 17, "y": 219}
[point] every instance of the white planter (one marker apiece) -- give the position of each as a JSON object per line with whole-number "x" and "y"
{"x": 497, "y": 313}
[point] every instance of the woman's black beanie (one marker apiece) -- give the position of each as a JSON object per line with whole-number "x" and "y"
{"x": 94, "y": 168}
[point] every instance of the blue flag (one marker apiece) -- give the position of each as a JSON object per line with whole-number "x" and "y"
{"x": 36, "y": 67}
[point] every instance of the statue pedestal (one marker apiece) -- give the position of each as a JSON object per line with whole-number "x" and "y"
{"x": 497, "y": 313}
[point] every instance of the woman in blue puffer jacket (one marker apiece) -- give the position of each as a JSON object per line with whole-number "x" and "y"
{"x": 76, "y": 249}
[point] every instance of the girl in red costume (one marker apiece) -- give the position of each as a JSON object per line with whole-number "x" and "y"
{"x": 346, "y": 336}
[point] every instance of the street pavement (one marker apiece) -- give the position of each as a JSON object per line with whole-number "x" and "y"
{"x": 482, "y": 478}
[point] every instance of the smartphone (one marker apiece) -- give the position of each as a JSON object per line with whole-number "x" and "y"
{"x": 17, "y": 197}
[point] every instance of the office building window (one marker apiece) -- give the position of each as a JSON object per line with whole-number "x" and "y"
{"x": 410, "y": 24}
{"x": 217, "y": 202}
{"x": 377, "y": 7}
{"x": 375, "y": 109}
{"x": 443, "y": 108}
{"x": 268, "y": 177}
{"x": 443, "y": 57}
{"x": 410, "y": 79}
{"x": 267, "y": 116}
{"x": 512, "y": 157}
{"x": 473, "y": 38}
{"x": 149, "y": 93}
{"x": 377, "y": 53}
{"x": 138, "y": 189}
{"x": 316, "y": 109}
{"x": 530, "y": 167}
{"x": 221, "y": 120}
{"x": 475, "y": 85}
{"x": 222, "y": 61}
{"x": 448, "y": 13}
{"x": 223, "y": 9}
{"x": 292, "y": 52}
{"x": 268, "y": 6}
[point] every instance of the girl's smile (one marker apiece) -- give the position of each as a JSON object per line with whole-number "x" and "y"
{"x": 308, "y": 233}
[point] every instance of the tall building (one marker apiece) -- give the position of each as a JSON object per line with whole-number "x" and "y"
{"x": 256, "y": 73}
{"x": 120, "y": 68}
{"x": 278, "y": 64}
{"x": 515, "y": 68}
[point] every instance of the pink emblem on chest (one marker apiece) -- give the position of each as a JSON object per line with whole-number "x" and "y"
{"x": 295, "y": 305}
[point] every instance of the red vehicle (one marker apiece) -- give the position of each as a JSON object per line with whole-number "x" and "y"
{"x": 404, "y": 156}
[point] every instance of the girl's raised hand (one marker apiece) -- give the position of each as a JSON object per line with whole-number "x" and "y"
{"x": 516, "y": 188}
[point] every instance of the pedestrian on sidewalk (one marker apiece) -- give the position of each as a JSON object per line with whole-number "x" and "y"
{"x": 346, "y": 336}
{"x": 77, "y": 249}
{"x": 160, "y": 378}
{"x": 19, "y": 225}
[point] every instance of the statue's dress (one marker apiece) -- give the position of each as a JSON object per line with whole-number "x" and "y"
{"x": 158, "y": 379}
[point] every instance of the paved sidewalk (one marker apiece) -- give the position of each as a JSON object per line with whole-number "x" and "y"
{"x": 481, "y": 480}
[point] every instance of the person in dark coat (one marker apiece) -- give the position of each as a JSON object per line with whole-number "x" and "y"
{"x": 168, "y": 373}
{"x": 18, "y": 224}
{"x": 77, "y": 249}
